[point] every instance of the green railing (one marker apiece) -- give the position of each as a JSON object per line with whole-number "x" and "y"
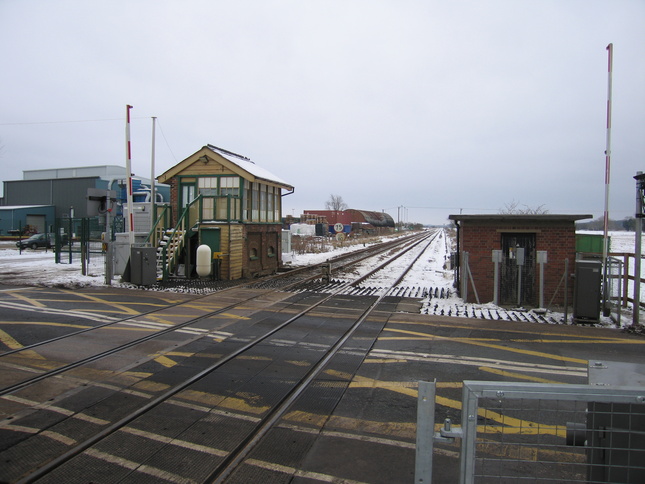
{"x": 201, "y": 209}
{"x": 164, "y": 216}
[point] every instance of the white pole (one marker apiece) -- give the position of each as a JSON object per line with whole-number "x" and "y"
{"x": 153, "y": 214}
{"x": 605, "y": 249}
{"x": 128, "y": 169}
{"x": 638, "y": 248}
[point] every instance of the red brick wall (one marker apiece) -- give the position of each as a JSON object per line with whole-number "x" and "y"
{"x": 480, "y": 238}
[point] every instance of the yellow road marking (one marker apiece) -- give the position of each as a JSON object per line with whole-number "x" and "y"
{"x": 488, "y": 345}
{"x": 246, "y": 402}
{"x": 511, "y": 425}
{"x": 29, "y": 300}
{"x": 12, "y": 344}
{"x": 78, "y": 326}
{"x": 124, "y": 309}
{"x": 519, "y": 376}
{"x": 164, "y": 361}
{"x": 230, "y": 316}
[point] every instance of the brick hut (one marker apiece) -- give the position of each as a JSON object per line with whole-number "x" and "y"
{"x": 549, "y": 235}
{"x": 226, "y": 201}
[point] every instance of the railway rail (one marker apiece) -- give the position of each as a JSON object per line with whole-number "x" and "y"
{"x": 86, "y": 397}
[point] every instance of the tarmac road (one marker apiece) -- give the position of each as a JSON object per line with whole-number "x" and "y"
{"x": 370, "y": 436}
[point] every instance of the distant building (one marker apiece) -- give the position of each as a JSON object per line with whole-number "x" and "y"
{"x": 358, "y": 221}
{"x": 26, "y": 219}
{"x": 65, "y": 189}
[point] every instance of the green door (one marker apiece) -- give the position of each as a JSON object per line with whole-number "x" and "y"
{"x": 210, "y": 237}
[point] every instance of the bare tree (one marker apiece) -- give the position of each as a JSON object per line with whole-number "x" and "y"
{"x": 513, "y": 208}
{"x": 335, "y": 203}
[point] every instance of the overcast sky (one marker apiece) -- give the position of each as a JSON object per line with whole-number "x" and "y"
{"x": 435, "y": 106}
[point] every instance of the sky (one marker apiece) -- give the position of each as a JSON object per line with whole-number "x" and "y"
{"x": 420, "y": 108}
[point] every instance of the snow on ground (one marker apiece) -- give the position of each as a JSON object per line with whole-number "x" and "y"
{"x": 38, "y": 268}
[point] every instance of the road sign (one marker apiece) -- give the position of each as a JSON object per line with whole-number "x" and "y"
{"x": 338, "y": 227}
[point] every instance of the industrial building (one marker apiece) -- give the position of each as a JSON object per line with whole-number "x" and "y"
{"x": 48, "y": 194}
{"x": 225, "y": 201}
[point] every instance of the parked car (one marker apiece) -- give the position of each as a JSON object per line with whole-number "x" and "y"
{"x": 40, "y": 240}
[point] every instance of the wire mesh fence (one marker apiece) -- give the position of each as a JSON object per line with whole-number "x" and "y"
{"x": 523, "y": 432}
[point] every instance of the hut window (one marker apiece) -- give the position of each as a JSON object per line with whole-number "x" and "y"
{"x": 253, "y": 254}
{"x": 246, "y": 201}
{"x": 229, "y": 185}
{"x": 270, "y": 203}
{"x": 255, "y": 215}
{"x": 187, "y": 194}
{"x": 271, "y": 251}
{"x": 263, "y": 203}
{"x": 207, "y": 186}
{"x": 278, "y": 200}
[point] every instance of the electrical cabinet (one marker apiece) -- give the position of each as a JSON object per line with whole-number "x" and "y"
{"x": 587, "y": 291}
{"x": 143, "y": 266}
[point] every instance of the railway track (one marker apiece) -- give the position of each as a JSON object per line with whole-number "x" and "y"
{"x": 439, "y": 299}
{"x": 70, "y": 398}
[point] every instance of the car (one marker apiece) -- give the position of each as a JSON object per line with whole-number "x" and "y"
{"x": 40, "y": 240}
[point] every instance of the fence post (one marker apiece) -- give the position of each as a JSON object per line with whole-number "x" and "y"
{"x": 464, "y": 276}
{"x": 497, "y": 259}
{"x": 566, "y": 290}
{"x": 626, "y": 280}
{"x": 425, "y": 432}
{"x": 470, "y": 403}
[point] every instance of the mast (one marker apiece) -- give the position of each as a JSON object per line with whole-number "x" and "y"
{"x": 605, "y": 248}
{"x": 128, "y": 169}
{"x": 153, "y": 212}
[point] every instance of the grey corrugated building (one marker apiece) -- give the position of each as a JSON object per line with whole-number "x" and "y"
{"x": 65, "y": 189}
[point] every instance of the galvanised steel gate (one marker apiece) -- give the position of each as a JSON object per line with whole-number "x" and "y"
{"x": 534, "y": 432}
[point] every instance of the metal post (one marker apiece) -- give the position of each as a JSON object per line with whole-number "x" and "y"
{"x": 425, "y": 432}
{"x": 108, "y": 239}
{"x": 153, "y": 212}
{"x": 128, "y": 169}
{"x": 605, "y": 249}
{"x": 520, "y": 262}
{"x": 464, "y": 277}
{"x": 470, "y": 403}
{"x": 541, "y": 259}
{"x": 640, "y": 213}
{"x": 566, "y": 290}
{"x": 497, "y": 258}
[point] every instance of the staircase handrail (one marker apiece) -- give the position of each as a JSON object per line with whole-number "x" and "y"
{"x": 158, "y": 227}
{"x": 169, "y": 265}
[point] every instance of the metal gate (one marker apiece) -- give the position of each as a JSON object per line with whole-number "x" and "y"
{"x": 538, "y": 432}
{"x": 509, "y": 282}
